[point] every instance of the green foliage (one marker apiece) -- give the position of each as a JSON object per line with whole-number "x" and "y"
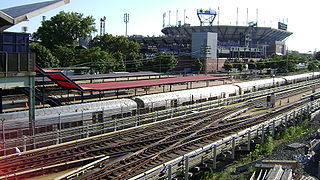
{"x": 63, "y": 29}
{"x": 252, "y": 65}
{"x": 239, "y": 65}
{"x": 162, "y": 62}
{"x": 312, "y": 66}
{"x": 228, "y": 66}
{"x": 44, "y": 58}
{"x": 126, "y": 52}
{"x": 317, "y": 55}
{"x": 261, "y": 65}
{"x": 296, "y": 131}
{"x": 211, "y": 175}
{"x": 66, "y": 55}
{"x": 198, "y": 65}
{"x": 263, "y": 149}
{"x": 99, "y": 60}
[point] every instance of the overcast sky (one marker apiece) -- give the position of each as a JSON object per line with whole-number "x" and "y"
{"x": 146, "y": 16}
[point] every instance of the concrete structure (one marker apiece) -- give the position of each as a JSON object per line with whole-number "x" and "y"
{"x": 204, "y": 45}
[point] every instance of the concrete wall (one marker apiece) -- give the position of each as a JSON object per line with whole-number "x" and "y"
{"x": 204, "y": 45}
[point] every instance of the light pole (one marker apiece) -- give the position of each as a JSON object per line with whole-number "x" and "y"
{"x": 273, "y": 85}
{"x": 126, "y": 20}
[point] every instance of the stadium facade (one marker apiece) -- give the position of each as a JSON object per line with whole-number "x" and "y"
{"x": 229, "y": 42}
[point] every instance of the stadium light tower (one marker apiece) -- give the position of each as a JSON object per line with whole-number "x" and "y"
{"x": 126, "y": 20}
{"x": 206, "y": 16}
{"x": 102, "y": 26}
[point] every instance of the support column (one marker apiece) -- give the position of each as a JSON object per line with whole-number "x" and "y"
{"x": 169, "y": 172}
{"x": 24, "y": 143}
{"x": 31, "y": 106}
{"x": 273, "y": 128}
{"x": 286, "y": 121}
{"x": 319, "y": 169}
{"x": 233, "y": 147}
{"x": 249, "y": 141}
{"x": 1, "y": 108}
{"x": 214, "y": 157}
{"x": 294, "y": 117}
{"x": 186, "y": 168}
{"x": 3, "y": 137}
{"x": 262, "y": 134}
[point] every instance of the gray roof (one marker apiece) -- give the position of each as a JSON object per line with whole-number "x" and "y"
{"x": 15, "y": 15}
{"x": 229, "y": 33}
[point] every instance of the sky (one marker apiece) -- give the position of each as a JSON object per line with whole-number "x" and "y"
{"x": 146, "y": 16}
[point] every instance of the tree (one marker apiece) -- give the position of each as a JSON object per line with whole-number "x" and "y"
{"x": 227, "y": 66}
{"x": 63, "y": 29}
{"x": 317, "y": 55}
{"x": 260, "y": 65}
{"x": 238, "y": 65}
{"x": 252, "y": 65}
{"x": 66, "y": 55}
{"x": 198, "y": 65}
{"x": 100, "y": 61}
{"x": 312, "y": 66}
{"x": 121, "y": 48}
{"x": 44, "y": 58}
{"x": 163, "y": 62}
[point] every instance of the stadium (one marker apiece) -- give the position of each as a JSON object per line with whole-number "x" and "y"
{"x": 229, "y": 41}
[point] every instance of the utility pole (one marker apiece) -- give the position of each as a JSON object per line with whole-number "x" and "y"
{"x": 126, "y": 20}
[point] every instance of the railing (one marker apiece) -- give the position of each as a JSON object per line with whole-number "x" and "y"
{"x": 59, "y": 133}
{"x": 181, "y": 165}
{"x": 16, "y": 62}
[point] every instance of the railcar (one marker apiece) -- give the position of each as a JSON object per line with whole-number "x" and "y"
{"x": 71, "y": 115}
{"x": 301, "y": 77}
{"x": 153, "y": 102}
{"x": 49, "y": 119}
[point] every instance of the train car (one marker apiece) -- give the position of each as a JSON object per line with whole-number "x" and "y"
{"x": 301, "y": 77}
{"x": 72, "y": 115}
{"x": 252, "y": 86}
{"x": 153, "y": 102}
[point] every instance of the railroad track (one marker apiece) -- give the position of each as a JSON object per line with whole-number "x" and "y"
{"x": 157, "y": 140}
{"x": 161, "y": 152}
{"x": 118, "y": 143}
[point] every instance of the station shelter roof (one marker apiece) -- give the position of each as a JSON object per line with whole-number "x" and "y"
{"x": 64, "y": 81}
{"x": 14, "y": 15}
{"x": 147, "y": 83}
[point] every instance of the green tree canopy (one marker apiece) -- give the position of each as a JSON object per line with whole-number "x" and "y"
{"x": 44, "y": 58}
{"x": 121, "y": 48}
{"x": 252, "y": 65}
{"x": 100, "y": 61}
{"x": 164, "y": 62}
{"x": 228, "y": 66}
{"x": 312, "y": 66}
{"x": 198, "y": 65}
{"x": 66, "y": 55}
{"x": 317, "y": 55}
{"x": 238, "y": 65}
{"x": 63, "y": 29}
